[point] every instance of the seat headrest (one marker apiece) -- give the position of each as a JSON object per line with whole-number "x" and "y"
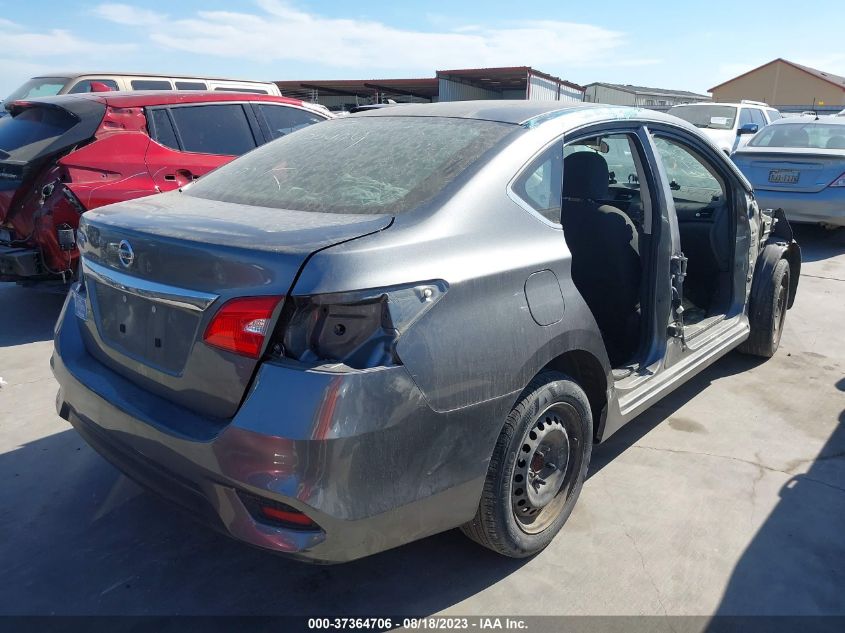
{"x": 835, "y": 142}
{"x": 585, "y": 175}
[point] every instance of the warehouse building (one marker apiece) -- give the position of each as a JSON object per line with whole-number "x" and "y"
{"x": 625, "y": 94}
{"x": 787, "y": 86}
{"x": 515, "y": 82}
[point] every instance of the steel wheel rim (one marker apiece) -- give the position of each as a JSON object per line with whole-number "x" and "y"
{"x": 546, "y": 467}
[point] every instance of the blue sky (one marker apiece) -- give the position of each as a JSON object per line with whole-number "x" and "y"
{"x": 691, "y": 46}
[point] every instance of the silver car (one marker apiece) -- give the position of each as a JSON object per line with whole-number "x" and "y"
{"x": 414, "y": 319}
{"x": 799, "y": 165}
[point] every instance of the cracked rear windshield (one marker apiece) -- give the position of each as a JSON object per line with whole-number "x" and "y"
{"x": 364, "y": 165}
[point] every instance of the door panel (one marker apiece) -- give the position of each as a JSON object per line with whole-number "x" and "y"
{"x": 178, "y": 132}
{"x": 712, "y": 210}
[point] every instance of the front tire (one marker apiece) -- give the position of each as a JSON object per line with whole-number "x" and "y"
{"x": 767, "y": 314}
{"x": 537, "y": 469}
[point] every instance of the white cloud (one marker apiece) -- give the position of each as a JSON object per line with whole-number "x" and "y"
{"x": 27, "y": 53}
{"x": 278, "y": 31}
{"x": 24, "y": 44}
{"x": 127, "y": 14}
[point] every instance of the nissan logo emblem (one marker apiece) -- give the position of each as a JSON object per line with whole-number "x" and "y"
{"x": 125, "y": 253}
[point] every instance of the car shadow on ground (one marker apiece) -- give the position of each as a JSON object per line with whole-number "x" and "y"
{"x": 89, "y": 541}
{"x": 28, "y": 314}
{"x": 818, "y": 243}
{"x": 795, "y": 564}
{"x": 630, "y": 434}
{"x": 82, "y": 539}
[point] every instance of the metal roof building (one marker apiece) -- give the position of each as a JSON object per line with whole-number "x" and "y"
{"x": 512, "y": 82}
{"x": 784, "y": 83}
{"x": 626, "y": 94}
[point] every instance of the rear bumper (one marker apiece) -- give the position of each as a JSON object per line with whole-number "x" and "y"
{"x": 826, "y": 206}
{"x": 18, "y": 264}
{"x": 359, "y": 452}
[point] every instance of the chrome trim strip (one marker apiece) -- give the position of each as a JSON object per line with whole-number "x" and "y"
{"x": 160, "y": 293}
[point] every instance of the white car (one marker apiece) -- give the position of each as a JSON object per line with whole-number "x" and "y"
{"x": 728, "y": 125}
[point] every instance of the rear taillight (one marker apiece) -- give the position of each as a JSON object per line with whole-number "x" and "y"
{"x": 359, "y": 329}
{"x": 241, "y": 325}
{"x": 839, "y": 182}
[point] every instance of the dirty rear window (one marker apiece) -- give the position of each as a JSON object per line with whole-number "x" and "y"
{"x": 355, "y": 165}
{"x": 811, "y": 135}
{"x": 34, "y": 126}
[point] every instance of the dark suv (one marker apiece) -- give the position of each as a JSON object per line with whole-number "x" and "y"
{"x": 62, "y": 156}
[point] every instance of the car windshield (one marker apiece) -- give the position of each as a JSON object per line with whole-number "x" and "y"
{"x": 714, "y": 117}
{"x": 38, "y": 87}
{"x": 809, "y": 135}
{"x": 365, "y": 165}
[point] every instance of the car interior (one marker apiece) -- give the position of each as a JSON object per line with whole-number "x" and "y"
{"x": 703, "y": 208}
{"x": 606, "y": 216}
{"x": 604, "y": 220}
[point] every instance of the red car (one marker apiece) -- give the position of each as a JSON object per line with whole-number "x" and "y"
{"x": 61, "y": 156}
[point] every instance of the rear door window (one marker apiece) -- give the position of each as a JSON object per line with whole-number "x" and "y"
{"x": 190, "y": 85}
{"x": 283, "y": 120}
{"x": 541, "y": 184}
{"x": 214, "y": 129}
{"x": 247, "y": 90}
{"x": 85, "y": 85}
{"x": 161, "y": 129}
{"x": 151, "y": 84}
{"x": 758, "y": 117}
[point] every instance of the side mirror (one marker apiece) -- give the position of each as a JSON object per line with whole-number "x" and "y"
{"x": 748, "y": 128}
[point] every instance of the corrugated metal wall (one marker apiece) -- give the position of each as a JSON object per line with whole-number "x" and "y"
{"x": 606, "y": 94}
{"x": 570, "y": 94}
{"x": 542, "y": 89}
{"x": 455, "y": 91}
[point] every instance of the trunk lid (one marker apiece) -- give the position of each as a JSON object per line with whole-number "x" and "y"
{"x": 799, "y": 170}
{"x": 188, "y": 257}
{"x": 36, "y": 132}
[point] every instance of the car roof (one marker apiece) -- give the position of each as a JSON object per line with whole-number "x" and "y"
{"x": 121, "y": 73}
{"x": 762, "y": 106}
{"x": 160, "y": 97}
{"x": 808, "y": 120}
{"x": 518, "y": 112}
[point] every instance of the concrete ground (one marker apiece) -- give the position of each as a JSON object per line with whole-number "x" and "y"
{"x": 727, "y": 497}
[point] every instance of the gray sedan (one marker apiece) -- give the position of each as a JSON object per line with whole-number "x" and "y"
{"x": 414, "y": 319}
{"x": 798, "y": 164}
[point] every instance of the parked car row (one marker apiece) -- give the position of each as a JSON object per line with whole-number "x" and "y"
{"x": 76, "y": 83}
{"x": 294, "y": 338}
{"x": 65, "y": 155}
{"x": 728, "y": 125}
{"x": 796, "y": 163}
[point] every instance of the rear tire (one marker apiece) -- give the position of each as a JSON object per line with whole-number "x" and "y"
{"x": 767, "y": 314}
{"x": 537, "y": 469}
